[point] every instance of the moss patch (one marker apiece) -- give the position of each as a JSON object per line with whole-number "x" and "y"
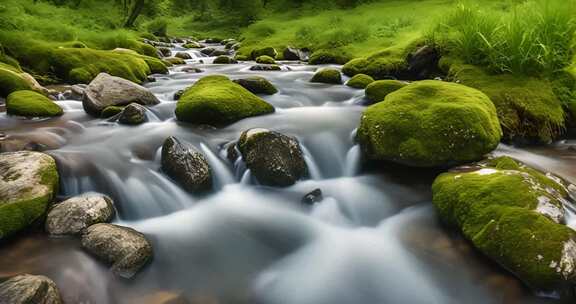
{"x": 31, "y": 104}
{"x": 266, "y": 51}
{"x": 11, "y": 81}
{"x": 327, "y": 75}
{"x": 360, "y": 81}
{"x": 378, "y": 90}
{"x": 430, "y": 123}
{"x": 329, "y": 57}
{"x": 216, "y": 100}
{"x": 225, "y": 60}
{"x": 257, "y": 85}
{"x": 111, "y": 111}
{"x": 265, "y": 60}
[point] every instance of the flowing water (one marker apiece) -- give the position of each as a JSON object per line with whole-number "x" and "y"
{"x": 374, "y": 238}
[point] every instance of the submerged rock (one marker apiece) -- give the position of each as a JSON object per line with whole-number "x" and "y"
{"x": 265, "y": 67}
{"x": 106, "y": 90}
{"x": 77, "y": 213}
{"x": 125, "y": 248}
{"x": 28, "y": 183}
{"x": 313, "y": 197}
{"x": 186, "y": 165}
{"x": 31, "y": 104}
{"x": 133, "y": 114}
{"x": 274, "y": 159}
{"x": 430, "y": 123}
{"x": 327, "y": 75}
{"x": 514, "y": 215}
{"x": 29, "y": 289}
{"x": 378, "y": 90}
{"x": 216, "y": 100}
{"x": 257, "y": 85}
{"x": 360, "y": 81}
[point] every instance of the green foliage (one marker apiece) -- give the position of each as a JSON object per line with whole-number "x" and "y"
{"x": 31, "y": 104}
{"x": 158, "y": 27}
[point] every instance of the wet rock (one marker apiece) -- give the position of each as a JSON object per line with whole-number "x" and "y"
{"x": 291, "y": 53}
{"x": 133, "y": 114}
{"x": 166, "y": 52}
{"x": 274, "y": 159}
{"x": 78, "y": 213}
{"x": 207, "y": 51}
{"x": 193, "y": 45}
{"x": 125, "y": 248}
{"x": 327, "y": 75}
{"x": 178, "y": 94}
{"x": 28, "y": 183}
{"x": 265, "y": 67}
{"x": 192, "y": 70}
{"x": 423, "y": 63}
{"x": 257, "y": 85}
{"x": 267, "y": 51}
{"x": 106, "y": 90}
{"x": 175, "y": 61}
{"x": 186, "y": 165}
{"x": 232, "y": 152}
{"x": 216, "y": 53}
{"x": 265, "y": 60}
{"x": 183, "y": 55}
{"x": 29, "y": 289}
{"x": 111, "y": 111}
{"x": 313, "y": 197}
{"x": 15, "y": 144}
{"x": 225, "y": 60}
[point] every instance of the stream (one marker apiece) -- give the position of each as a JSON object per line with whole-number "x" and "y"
{"x": 375, "y": 238}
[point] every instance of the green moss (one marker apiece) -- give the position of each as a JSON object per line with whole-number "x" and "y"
{"x": 496, "y": 209}
{"x": 242, "y": 57}
{"x": 527, "y": 107}
{"x": 224, "y": 60}
{"x": 327, "y": 75}
{"x": 111, "y": 111}
{"x": 31, "y": 104}
{"x": 11, "y": 81}
{"x": 378, "y": 90}
{"x": 175, "y": 60}
{"x": 216, "y": 100}
{"x": 257, "y": 85}
{"x": 265, "y": 60}
{"x": 430, "y": 123}
{"x": 192, "y": 45}
{"x": 334, "y": 56}
{"x": 266, "y": 51}
{"x": 360, "y": 81}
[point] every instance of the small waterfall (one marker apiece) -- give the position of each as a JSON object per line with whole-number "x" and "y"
{"x": 246, "y": 178}
{"x": 353, "y": 161}
{"x": 222, "y": 174}
{"x": 313, "y": 168}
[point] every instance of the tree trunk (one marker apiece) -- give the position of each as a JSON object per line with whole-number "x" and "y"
{"x": 134, "y": 13}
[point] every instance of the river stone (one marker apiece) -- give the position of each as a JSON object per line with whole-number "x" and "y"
{"x": 133, "y": 114}
{"x": 182, "y": 162}
{"x": 514, "y": 215}
{"x": 29, "y": 289}
{"x": 125, "y": 248}
{"x": 257, "y": 85}
{"x": 77, "y": 213}
{"x": 207, "y": 51}
{"x": 274, "y": 159}
{"x": 28, "y": 183}
{"x": 166, "y": 52}
{"x": 291, "y": 53}
{"x": 106, "y": 90}
{"x": 265, "y": 67}
{"x": 183, "y": 55}
{"x": 313, "y": 197}
{"x": 327, "y": 75}
{"x": 224, "y": 60}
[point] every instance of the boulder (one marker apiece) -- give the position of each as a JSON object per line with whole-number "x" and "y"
{"x": 514, "y": 215}
{"x": 430, "y": 123}
{"x": 175, "y": 61}
{"x": 329, "y": 57}
{"x": 291, "y": 53}
{"x": 265, "y": 67}
{"x": 207, "y": 51}
{"x": 327, "y": 75}
{"x": 125, "y": 248}
{"x": 273, "y": 158}
{"x": 257, "y": 85}
{"x": 192, "y": 45}
{"x": 75, "y": 214}
{"x": 165, "y": 52}
{"x": 186, "y": 165}
{"x": 106, "y": 90}
{"x": 216, "y": 100}
{"x": 268, "y": 51}
{"x": 29, "y": 289}
{"x": 11, "y": 80}
{"x": 28, "y": 183}
{"x": 378, "y": 90}
{"x": 31, "y": 104}
{"x": 360, "y": 81}
{"x": 313, "y": 197}
{"x": 133, "y": 114}
{"x": 265, "y": 60}
{"x": 183, "y": 55}
{"x": 225, "y": 60}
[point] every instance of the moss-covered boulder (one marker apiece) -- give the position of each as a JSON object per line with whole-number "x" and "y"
{"x": 175, "y": 61}
{"x": 515, "y": 216}
{"x": 223, "y": 59}
{"x": 31, "y": 104}
{"x": 265, "y": 60}
{"x": 257, "y": 85}
{"x": 378, "y": 90}
{"x": 327, "y": 75}
{"x": 217, "y": 100}
{"x": 192, "y": 45}
{"x": 267, "y": 51}
{"x": 183, "y": 55}
{"x": 11, "y": 80}
{"x": 360, "y": 81}
{"x": 528, "y": 108}
{"x": 133, "y": 114}
{"x": 241, "y": 57}
{"x": 430, "y": 123}
{"x": 28, "y": 183}
{"x": 111, "y": 111}
{"x": 329, "y": 57}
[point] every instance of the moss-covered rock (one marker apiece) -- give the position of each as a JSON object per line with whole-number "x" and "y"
{"x": 216, "y": 100}
{"x": 378, "y": 66}
{"x": 111, "y": 111}
{"x": 514, "y": 215}
{"x": 378, "y": 90}
{"x": 224, "y": 60}
{"x": 241, "y": 57}
{"x": 527, "y": 107}
{"x": 329, "y": 57}
{"x": 430, "y": 123}
{"x": 31, "y": 104}
{"x": 193, "y": 45}
{"x": 327, "y": 75}
{"x": 360, "y": 81}
{"x": 11, "y": 80}
{"x": 257, "y": 85}
{"x": 28, "y": 183}
{"x": 265, "y": 60}
{"x": 266, "y": 67}
{"x": 175, "y": 60}
{"x": 267, "y": 51}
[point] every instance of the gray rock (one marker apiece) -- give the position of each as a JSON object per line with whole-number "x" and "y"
{"x": 78, "y": 213}
{"x": 106, "y": 90}
{"x": 125, "y": 248}
{"x": 187, "y": 166}
{"x": 133, "y": 114}
{"x": 183, "y": 55}
{"x": 274, "y": 159}
{"x": 29, "y": 289}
